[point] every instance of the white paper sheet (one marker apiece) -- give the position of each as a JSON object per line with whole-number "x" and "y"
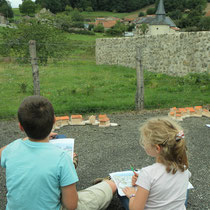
{"x": 66, "y": 144}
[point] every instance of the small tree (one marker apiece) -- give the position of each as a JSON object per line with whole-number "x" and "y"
{"x": 99, "y": 28}
{"x": 89, "y": 9}
{"x": 141, "y": 14}
{"x": 151, "y": 11}
{"x": 77, "y": 16}
{"x": 6, "y": 9}
{"x": 144, "y": 28}
{"x": 28, "y": 7}
{"x": 204, "y": 24}
{"x": 68, "y": 8}
{"x": 90, "y": 27}
{"x": 15, "y": 41}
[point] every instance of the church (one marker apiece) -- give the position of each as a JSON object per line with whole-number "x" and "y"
{"x": 158, "y": 23}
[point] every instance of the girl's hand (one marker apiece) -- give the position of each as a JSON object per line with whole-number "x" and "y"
{"x": 129, "y": 191}
{"x": 134, "y": 178}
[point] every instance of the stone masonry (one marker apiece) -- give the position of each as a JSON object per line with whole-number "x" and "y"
{"x": 173, "y": 54}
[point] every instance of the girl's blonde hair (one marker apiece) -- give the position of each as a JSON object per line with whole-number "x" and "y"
{"x": 163, "y": 132}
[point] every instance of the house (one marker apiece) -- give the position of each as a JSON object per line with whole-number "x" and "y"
{"x": 180, "y": 113}
{"x": 107, "y": 22}
{"x": 104, "y": 122}
{"x": 3, "y": 20}
{"x": 61, "y": 121}
{"x": 77, "y": 120}
{"x": 158, "y": 23}
{"x": 92, "y": 119}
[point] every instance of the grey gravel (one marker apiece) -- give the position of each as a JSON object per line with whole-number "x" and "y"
{"x": 105, "y": 150}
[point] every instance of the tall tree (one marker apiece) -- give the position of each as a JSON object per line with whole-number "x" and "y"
{"x": 6, "y": 9}
{"x": 28, "y": 7}
{"x": 53, "y": 5}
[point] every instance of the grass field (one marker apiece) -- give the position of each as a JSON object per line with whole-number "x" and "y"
{"x": 75, "y": 84}
{"x": 81, "y": 86}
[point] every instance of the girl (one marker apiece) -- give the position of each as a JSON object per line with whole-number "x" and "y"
{"x": 163, "y": 185}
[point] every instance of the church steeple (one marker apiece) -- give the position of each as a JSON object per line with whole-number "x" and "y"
{"x": 160, "y": 13}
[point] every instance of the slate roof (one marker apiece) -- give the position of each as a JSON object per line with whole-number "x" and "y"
{"x": 159, "y": 19}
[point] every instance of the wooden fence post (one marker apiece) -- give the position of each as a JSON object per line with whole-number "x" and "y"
{"x": 35, "y": 68}
{"x": 140, "y": 81}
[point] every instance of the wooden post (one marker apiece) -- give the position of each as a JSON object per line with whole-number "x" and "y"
{"x": 35, "y": 68}
{"x": 140, "y": 81}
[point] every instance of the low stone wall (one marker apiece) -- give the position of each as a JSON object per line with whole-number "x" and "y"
{"x": 172, "y": 54}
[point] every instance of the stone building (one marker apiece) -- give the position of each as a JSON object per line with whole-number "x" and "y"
{"x": 158, "y": 23}
{"x": 3, "y": 20}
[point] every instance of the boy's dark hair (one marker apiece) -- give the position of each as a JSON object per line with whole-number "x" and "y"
{"x": 36, "y": 115}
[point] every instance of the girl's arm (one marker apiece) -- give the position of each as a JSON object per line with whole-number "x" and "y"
{"x": 138, "y": 201}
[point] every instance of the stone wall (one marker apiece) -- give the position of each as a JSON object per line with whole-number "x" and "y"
{"x": 172, "y": 54}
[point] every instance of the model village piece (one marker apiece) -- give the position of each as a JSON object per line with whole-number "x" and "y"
{"x": 92, "y": 120}
{"x": 77, "y": 120}
{"x": 104, "y": 121}
{"x": 60, "y": 122}
{"x": 180, "y": 113}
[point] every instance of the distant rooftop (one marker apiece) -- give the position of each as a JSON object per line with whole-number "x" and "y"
{"x": 159, "y": 19}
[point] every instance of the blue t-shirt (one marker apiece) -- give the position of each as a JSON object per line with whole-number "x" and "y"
{"x": 35, "y": 172}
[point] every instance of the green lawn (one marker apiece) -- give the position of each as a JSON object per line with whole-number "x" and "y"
{"x": 81, "y": 86}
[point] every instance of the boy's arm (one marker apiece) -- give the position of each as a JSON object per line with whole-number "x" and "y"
{"x": 69, "y": 197}
{"x": 1, "y": 149}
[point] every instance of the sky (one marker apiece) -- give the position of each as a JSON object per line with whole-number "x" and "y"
{"x": 15, "y": 3}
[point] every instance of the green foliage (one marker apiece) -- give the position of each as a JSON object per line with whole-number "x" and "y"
{"x": 175, "y": 15}
{"x": 76, "y": 16}
{"x": 102, "y": 5}
{"x": 6, "y": 9}
{"x": 89, "y": 9}
{"x": 99, "y": 28}
{"x": 28, "y": 7}
{"x": 144, "y": 28}
{"x": 118, "y": 29}
{"x": 151, "y": 11}
{"x": 90, "y": 27}
{"x": 68, "y": 8}
{"x": 15, "y": 41}
{"x": 131, "y": 27}
{"x": 204, "y": 24}
{"x": 141, "y": 14}
{"x": 54, "y": 6}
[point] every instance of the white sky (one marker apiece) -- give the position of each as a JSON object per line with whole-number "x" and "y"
{"x": 15, "y": 3}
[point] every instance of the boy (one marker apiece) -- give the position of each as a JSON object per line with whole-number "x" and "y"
{"x": 38, "y": 173}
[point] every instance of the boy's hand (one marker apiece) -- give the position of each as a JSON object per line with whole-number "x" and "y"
{"x": 134, "y": 178}
{"x": 52, "y": 135}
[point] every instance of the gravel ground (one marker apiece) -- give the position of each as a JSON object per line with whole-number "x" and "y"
{"x": 105, "y": 150}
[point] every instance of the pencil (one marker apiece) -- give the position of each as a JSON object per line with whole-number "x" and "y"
{"x": 132, "y": 169}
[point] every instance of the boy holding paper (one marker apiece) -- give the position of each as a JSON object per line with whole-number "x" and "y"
{"x": 41, "y": 176}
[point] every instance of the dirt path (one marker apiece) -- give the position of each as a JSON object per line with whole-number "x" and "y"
{"x": 105, "y": 150}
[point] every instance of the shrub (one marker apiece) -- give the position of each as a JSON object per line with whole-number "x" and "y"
{"x": 15, "y": 41}
{"x": 89, "y": 9}
{"x": 90, "y": 27}
{"x": 141, "y": 14}
{"x": 99, "y": 28}
{"x": 151, "y": 11}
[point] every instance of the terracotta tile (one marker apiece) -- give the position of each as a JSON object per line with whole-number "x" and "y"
{"x": 76, "y": 116}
